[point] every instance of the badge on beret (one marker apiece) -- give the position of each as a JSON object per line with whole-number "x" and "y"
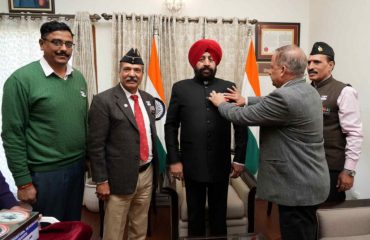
{"x": 133, "y": 57}
{"x": 323, "y": 48}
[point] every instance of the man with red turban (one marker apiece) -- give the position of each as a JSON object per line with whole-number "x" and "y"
{"x": 204, "y": 161}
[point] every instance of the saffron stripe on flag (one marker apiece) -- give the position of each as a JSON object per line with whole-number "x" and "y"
{"x": 154, "y": 86}
{"x": 251, "y": 87}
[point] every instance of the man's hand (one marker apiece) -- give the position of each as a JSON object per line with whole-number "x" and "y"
{"x": 216, "y": 98}
{"x": 236, "y": 170}
{"x": 19, "y": 208}
{"x": 175, "y": 170}
{"x": 27, "y": 194}
{"x": 103, "y": 191}
{"x": 234, "y": 95}
{"x": 345, "y": 182}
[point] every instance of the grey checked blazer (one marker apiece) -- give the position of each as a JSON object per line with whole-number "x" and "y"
{"x": 293, "y": 169}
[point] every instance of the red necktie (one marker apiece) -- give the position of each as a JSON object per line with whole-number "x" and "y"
{"x": 144, "y": 147}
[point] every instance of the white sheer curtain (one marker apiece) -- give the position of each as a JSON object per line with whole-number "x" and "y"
{"x": 83, "y": 51}
{"x": 130, "y": 32}
{"x": 19, "y": 46}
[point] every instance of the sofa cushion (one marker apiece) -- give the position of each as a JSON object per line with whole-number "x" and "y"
{"x": 350, "y": 219}
{"x": 362, "y": 237}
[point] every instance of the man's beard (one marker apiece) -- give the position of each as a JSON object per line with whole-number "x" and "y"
{"x": 204, "y": 77}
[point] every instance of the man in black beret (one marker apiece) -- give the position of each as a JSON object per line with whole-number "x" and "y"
{"x": 122, "y": 151}
{"x": 342, "y": 124}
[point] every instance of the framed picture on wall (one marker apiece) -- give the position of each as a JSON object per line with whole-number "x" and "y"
{"x": 32, "y": 6}
{"x": 272, "y": 35}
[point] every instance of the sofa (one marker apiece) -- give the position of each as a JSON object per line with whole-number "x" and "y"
{"x": 240, "y": 207}
{"x": 349, "y": 220}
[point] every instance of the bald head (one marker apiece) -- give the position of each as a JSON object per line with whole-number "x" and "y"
{"x": 293, "y": 58}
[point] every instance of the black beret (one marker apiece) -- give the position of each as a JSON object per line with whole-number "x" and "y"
{"x": 133, "y": 57}
{"x": 323, "y": 48}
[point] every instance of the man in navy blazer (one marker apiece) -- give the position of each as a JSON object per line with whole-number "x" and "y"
{"x": 202, "y": 156}
{"x": 293, "y": 171}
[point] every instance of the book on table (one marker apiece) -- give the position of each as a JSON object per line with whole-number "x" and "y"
{"x": 19, "y": 225}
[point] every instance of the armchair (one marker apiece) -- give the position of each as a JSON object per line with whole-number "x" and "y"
{"x": 240, "y": 206}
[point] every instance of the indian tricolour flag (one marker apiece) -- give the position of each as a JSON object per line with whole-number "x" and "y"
{"x": 154, "y": 86}
{"x": 251, "y": 87}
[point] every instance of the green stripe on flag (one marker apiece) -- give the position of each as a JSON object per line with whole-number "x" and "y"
{"x": 253, "y": 154}
{"x": 161, "y": 156}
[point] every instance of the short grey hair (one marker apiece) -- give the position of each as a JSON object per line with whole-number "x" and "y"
{"x": 293, "y": 58}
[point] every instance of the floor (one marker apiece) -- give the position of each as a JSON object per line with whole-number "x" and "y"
{"x": 160, "y": 225}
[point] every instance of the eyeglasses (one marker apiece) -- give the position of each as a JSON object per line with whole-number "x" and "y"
{"x": 59, "y": 43}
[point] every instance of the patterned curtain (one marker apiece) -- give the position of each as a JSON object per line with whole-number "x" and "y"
{"x": 130, "y": 32}
{"x": 233, "y": 38}
{"x": 83, "y": 51}
{"x": 175, "y": 39}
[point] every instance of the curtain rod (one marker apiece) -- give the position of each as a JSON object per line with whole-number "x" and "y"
{"x": 182, "y": 19}
{"x": 95, "y": 17}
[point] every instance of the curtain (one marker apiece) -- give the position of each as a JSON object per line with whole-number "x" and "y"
{"x": 174, "y": 38}
{"x": 133, "y": 32}
{"x": 233, "y": 38}
{"x": 83, "y": 51}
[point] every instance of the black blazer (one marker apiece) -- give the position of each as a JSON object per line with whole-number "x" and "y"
{"x": 205, "y": 136}
{"x": 114, "y": 142}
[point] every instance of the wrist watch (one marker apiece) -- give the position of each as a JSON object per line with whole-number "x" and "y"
{"x": 351, "y": 173}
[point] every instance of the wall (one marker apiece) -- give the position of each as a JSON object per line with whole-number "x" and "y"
{"x": 345, "y": 26}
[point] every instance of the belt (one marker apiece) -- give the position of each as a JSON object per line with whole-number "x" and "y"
{"x": 144, "y": 167}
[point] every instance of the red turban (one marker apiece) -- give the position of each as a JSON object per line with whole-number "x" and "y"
{"x": 202, "y": 46}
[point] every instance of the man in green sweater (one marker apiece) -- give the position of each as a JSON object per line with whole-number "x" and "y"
{"x": 44, "y": 127}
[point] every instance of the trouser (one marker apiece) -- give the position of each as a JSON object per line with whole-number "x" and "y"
{"x": 217, "y": 207}
{"x": 133, "y": 206}
{"x": 298, "y": 222}
{"x": 60, "y": 192}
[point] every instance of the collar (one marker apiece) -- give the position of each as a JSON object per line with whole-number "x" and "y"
{"x": 322, "y": 82}
{"x": 293, "y": 81}
{"x": 128, "y": 94}
{"x": 48, "y": 70}
{"x": 205, "y": 83}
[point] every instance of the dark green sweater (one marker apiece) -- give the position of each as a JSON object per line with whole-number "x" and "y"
{"x": 44, "y": 121}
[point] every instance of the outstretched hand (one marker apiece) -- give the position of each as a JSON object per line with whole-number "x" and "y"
{"x": 234, "y": 96}
{"x": 216, "y": 98}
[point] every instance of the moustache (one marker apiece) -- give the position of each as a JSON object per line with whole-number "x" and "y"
{"x": 131, "y": 79}
{"x": 205, "y": 68}
{"x": 311, "y": 71}
{"x": 62, "y": 53}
